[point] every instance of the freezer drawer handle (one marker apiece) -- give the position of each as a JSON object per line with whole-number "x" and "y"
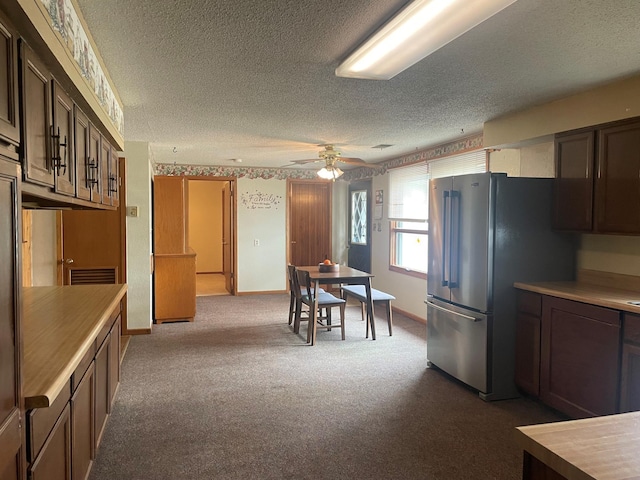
{"x": 473, "y": 319}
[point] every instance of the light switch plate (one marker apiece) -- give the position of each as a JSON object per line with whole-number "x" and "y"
{"x": 132, "y": 211}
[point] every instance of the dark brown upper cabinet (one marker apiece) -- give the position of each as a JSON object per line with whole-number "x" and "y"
{"x": 114, "y": 177}
{"x": 597, "y": 187}
{"x": 9, "y": 115}
{"x": 35, "y": 81}
{"x": 617, "y": 195}
{"x": 104, "y": 174}
{"x": 95, "y": 164}
{"x": 81, "y": 141}
{"x": 573, "y": 200}
{"x": 62, "y": 147}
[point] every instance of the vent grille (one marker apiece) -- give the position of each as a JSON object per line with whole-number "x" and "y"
{"x": 91, "y": 276}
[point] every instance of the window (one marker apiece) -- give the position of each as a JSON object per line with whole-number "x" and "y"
{"x": 408, "y": 212}
{"x": 409, "y": 207}
{"x": 359, "y": 217}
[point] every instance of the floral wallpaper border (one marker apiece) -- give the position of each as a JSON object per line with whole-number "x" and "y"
{"x": 65, "y": 22}
{"x": 459, "y": 146}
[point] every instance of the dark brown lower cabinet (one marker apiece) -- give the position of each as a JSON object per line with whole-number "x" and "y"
{"x": 114, "y": 361}
{"x": 528, "y": 328}
{"x": 82, "y": 425}
{"x": 630, "y": 373}
{"x": 102, "y": 388}
{"x": 54, "y": 460}
{"x": 579, "y": 360}
{"x": 63, "y": 438}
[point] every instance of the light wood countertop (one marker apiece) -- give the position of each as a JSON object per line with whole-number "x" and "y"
{"x": 603, "y": 448}
{"x": 59, "y": 326}
{"x": 587, "y": 293}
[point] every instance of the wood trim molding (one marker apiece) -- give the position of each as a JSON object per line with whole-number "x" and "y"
{"x": 136, "y": 331}
{"x": 409, "y": 315}
{"x": 263, "y": 292}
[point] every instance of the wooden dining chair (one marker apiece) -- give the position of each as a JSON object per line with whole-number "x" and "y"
{"x": 295, "y": 301}
{"x": 326, "y": 302}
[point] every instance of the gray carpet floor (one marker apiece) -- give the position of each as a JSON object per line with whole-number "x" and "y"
{"x": 237, "y": 395}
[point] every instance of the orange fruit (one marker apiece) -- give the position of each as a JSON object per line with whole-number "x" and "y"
{"x": 327, "y": 261}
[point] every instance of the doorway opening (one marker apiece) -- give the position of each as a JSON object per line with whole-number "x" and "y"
{"x": 211, "y": 234}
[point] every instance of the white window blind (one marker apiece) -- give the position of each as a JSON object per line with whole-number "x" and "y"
{"x": 470, "y": 162}
{"x": 408, "y": 193}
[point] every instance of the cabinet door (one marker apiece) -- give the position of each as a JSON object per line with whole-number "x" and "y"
{"x": 102, "y": 388}
{"x": 62, "y": 151}
{"x": 105, "y": 164}
{"x": 81, "y": 140}
{"x": 54, "y": 460}
{"x": 573, "y": 187}
{"x": 580, "y": 351}
{"x": 630, "y": 379}
{"x": 618, "y": 179}
{"x": 528, "y": 353}
{"x": 95, "y": 163}
{"x": 35, "y": 91}
{"x": 114, "y": 360}
{"x": 114, "y": 177}
{"x": 11, "y": 453}
{"x": 9, "y": 125}
{"x": 82, "y": 425}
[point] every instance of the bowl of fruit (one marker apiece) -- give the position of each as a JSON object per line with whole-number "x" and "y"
{"x": 328, "y": 266}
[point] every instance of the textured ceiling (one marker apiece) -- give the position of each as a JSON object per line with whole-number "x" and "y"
{"x": 207, "y": 81}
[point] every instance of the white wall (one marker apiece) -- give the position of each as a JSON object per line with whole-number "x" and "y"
{"x": 340, "y": 223}
{"x": 262, "y": 216}
{"x": 139, "y": 293}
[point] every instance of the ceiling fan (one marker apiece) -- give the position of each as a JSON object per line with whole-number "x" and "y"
{"x": 332, "y": 156}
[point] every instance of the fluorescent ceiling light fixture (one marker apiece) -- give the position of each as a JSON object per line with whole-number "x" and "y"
{"x": 418, "y": 30}
{"x": 329, "y": 172}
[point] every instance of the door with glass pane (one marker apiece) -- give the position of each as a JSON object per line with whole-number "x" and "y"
{"x": 360, "y": 225}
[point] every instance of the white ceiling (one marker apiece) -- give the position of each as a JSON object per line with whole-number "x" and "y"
{"x": 207, "y": 81}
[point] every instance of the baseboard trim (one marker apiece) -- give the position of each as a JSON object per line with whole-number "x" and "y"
{"x": 137, "y": 331}
{"x": 409, "y": 315}
{"x": 263, "y": 292}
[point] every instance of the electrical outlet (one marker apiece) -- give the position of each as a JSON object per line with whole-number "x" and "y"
{"x": 256, "y": 243}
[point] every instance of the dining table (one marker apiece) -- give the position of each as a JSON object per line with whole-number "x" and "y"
{"x": 344, "y": 275}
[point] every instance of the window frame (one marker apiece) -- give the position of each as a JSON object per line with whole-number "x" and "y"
{"x": 393, "y": 231}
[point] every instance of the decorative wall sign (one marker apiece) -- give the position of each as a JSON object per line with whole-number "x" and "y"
{"x": 65, "y": 21}
{"x": 260, "y": 201}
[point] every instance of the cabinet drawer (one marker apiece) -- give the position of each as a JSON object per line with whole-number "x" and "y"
{"x": 40, "y": 421}
{"x": 82, "y": 367}
{"x": 530, "y": 303}
{"x": 631, "y": 328}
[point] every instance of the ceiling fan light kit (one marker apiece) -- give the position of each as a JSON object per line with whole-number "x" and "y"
{"x": 330, "y": 172}
{"x": 417, "y": 31}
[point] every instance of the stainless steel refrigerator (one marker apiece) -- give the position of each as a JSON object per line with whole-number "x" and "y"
{"x": 487, "y": 231}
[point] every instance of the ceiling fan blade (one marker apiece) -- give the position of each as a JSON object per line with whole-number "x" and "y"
{"x": 302, "y": 162}
{"x": 357, "y": 161}
{"x": 307, "y": 160}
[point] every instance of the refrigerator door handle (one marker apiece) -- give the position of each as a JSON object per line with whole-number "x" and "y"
{"x": 454, "y": 238}
{"x": 445, "y": 211}
{"x": 467, "y": 317}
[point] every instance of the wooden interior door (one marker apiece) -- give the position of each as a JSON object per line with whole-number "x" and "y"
{"x": 228, "y": 240}
{"x": 309, "y": 222}
{"x": 360, "y": 225}
{"x": 92, "y": 245}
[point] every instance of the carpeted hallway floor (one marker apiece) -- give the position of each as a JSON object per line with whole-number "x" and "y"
{"x": 237, "y": 395}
